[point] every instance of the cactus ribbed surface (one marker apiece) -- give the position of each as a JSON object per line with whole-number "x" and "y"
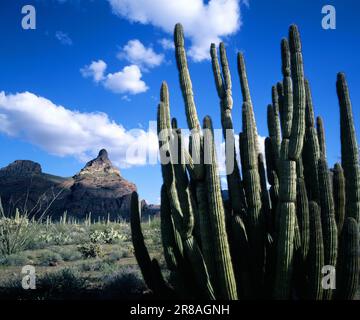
{"x": 277, "y": 125}
{"x": 226, "y": 282}
{"x": 311, "y": 152}
{"x": 286, "y": 112}
{"x": 349, "y": 263}
{"x": 246, "y": 94}
{"x": 274, "y": 134}
{"x": 349, "y": 150}
{"x": 316, "y": 253}
{"x": 257, "y": 242}
{"x": 223, "y": 85}
{"x": 149, "y": 268}
{"x": 302, "y": 212}
{"x": 329, "y": 229}
{"x": 297, "y": 75}
{"x": 339, "y": 196}
{"x": 321, "y": 136}
{"x": 285, "y": 250}
{"x": 255, "y": 214}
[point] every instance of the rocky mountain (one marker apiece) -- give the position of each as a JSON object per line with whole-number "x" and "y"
{"x": 98, "y": 189}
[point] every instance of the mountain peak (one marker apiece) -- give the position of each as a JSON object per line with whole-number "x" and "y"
{"x": 100, "y": 165}
{"x": 22, "y": 168}
{"x": 103, "y": 155}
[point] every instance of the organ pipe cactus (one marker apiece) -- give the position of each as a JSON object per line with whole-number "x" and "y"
{"x": 349, "y": 150}
{"x": 339, "y": 196}
{"x": 321, "y": 136}
{"x": 261, "y": 242}
{"x": 328, "y": 222}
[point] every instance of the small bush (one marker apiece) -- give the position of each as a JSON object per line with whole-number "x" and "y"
{"x": 90, "y": 250}
{"x": 114, "y": 256}
{"x": 48, "y": 257}
{"x": 63, "y": 284}
{"x": 69, "y": 254}
{"x": 126, "y": 284}
{"x": 14, "y": 260}
{"x": 16, "y": 233}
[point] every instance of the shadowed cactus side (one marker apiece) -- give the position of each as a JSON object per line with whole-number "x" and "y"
{"x": 283, "y": 221}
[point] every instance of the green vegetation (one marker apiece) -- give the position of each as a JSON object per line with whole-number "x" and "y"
{"x": 75, "y": 260}
{"x": 259, "y": 243}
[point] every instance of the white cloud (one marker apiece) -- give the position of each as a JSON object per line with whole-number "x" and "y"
{"x": 167, "y": 44}
{"x": 63, "y": 38}
{"x": 128, "y": 80}
{"x": 64, "y": 132}
{"x": 136, "y": 53}
{"x": 204, "y": 22}
{"x": 95, "y": 70}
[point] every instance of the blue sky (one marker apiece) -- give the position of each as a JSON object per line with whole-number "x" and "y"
{"x": 73, "y": 107}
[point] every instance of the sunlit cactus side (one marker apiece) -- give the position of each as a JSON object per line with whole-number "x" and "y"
{"x": 255, "y": 215}
{"x": 297, "y": 75}
{"x": 180, "y": 198}
{"x": 349, "y": 244}
{"x": 286, "y": 111}
{"x": 316, "y": 253}
{"x": 263, "y": 243}
{"x": 329, "y": 229}
{"x": 321, "y": 136}
{"x": 276, "y": 105}
{"x": 311, "y": 152}
{"x": 291, "y": 150}
{"x": 302, "y": 212}
{"x": 272, "y": 178}
{"x": 224, "y": 89}
{"x": 244, "y": 84}
{"x": 339, "y": 196}
{"x": 349, "y": 150}
{"x": 225, "y": 283}
{"x": 265, "y": 197}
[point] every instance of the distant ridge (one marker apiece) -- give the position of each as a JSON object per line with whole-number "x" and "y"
{"x": 98, "y": 188}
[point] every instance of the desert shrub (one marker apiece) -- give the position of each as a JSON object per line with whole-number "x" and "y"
{"x": 109, "y": 235}
{"x": 66, "y": 283}
{"x": 16, "y": 233}
{"x": 96, "y": 236}
{"x": 90, "y": 250}
{"x": 69, "y": 254}
{"x": 98, "y": 265}
{"x": 125, "y": 284}
{"x": 48, "y": 257}
{"x": 114, "y": 256}
{"x": 61, "y": 238}
{"x": 15, "y": 259}
{"x": 63, "y": 284}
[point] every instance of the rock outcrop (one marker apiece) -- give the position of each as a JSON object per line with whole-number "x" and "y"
{"x": 98, "y": 189}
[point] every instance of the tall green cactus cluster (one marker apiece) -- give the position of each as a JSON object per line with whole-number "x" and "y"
{"x": 288, "y": 219}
